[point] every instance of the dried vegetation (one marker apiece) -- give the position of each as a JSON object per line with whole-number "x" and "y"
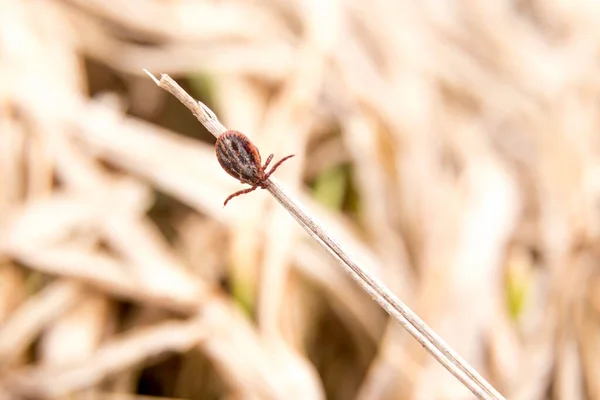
{"x": 453, "y": 147}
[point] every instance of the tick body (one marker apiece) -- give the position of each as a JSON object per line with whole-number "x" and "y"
{"x": 240, "y": 158}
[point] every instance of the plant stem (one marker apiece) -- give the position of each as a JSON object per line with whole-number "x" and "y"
{"x": 376, "y": 289}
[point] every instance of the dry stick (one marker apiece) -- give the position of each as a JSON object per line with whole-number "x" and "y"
{"x": 381, "y": 294}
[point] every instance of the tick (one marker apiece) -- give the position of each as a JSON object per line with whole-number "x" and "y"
{"x": 240, "y": 158}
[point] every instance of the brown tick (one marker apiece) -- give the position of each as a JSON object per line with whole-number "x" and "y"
{"x": 240, "y": 158}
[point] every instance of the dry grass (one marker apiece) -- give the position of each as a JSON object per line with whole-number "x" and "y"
{"x": 452, "y": 147}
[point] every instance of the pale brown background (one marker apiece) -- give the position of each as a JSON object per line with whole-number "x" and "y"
{"x": 452, "y": 146}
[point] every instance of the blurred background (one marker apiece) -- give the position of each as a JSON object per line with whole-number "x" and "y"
{"x": 451, "y": 146}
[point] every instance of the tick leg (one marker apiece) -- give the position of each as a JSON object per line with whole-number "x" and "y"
{"x": 239, "y": 193}
{"x": 268, "y": 161}
{"x": 277, "y": 165}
